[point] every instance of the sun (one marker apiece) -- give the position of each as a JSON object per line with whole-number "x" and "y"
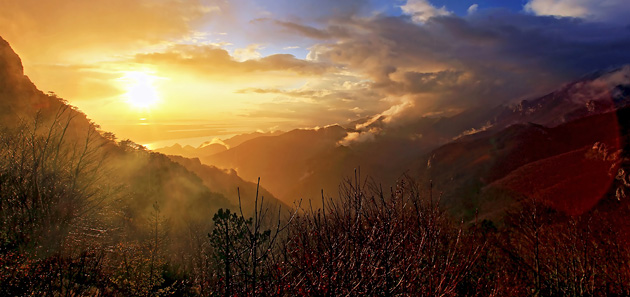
{"x": 140, "y": 89}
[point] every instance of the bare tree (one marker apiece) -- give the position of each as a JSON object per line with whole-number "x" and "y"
{"x": 48, "y": 181}
{"x": 369, "y": 243}
{"x": 50, "y": 191}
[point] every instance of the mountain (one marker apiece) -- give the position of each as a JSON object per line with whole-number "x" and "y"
{"x": 190, "y": 151}
{"x": 280, "y": 161}
{"x": 213, "y": 146}
{"x": 554, "y": 164}
{"x": 468, "y": 151}
{"x": 124, "y": 185}
{"x": 238, "y": 139}
{"x": 596, "y": 93}
{"x": 230, "y": 184}
{"x": 20, "y": 99}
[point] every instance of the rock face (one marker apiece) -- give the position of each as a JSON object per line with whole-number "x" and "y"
{"x": 11, "y": 77}
{"x": 11, "y": 70}
{"x": 19, "y": 97}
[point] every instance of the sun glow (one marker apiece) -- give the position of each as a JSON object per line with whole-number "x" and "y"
{"x": 141, "y": 92}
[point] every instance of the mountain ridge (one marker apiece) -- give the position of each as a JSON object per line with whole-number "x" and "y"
{"x": 22, "y": 103}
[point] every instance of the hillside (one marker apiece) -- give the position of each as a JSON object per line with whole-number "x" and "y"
{"x": 133, "y": 181}
{"x": 280, "y": 161}
{"x": 526, "y": 160}
{"x": 599, "y": 92}
{"x": 486, "y": 144}
{"x": 229, "y": 183}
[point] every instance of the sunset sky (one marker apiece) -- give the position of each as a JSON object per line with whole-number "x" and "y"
{"x": 166, "y": 71}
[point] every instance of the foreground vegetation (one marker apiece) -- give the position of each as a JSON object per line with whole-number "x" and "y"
{"x": 71, "y": 228}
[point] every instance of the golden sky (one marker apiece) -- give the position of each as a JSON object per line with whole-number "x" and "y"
{"x": 159, "y": 70}
{"x": 165, "y": 71}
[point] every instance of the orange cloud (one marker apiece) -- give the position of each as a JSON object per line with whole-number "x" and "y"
{"x": 214, "y": 61}
{"x": 72, "y": 30}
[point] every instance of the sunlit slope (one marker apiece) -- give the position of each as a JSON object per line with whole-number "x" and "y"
{"x": 280, "y": 161}
{"x": 231, "y": 185}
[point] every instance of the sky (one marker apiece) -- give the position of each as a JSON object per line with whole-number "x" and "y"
{"x": 165, "y": 71}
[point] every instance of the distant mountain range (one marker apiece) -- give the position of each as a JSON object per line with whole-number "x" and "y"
{"x": 540, "y": 148}
{"x": 213, "y": 146}
{"x": 472, "y": 155}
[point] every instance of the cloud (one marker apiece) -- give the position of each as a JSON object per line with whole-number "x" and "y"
{"x": 73, "y": 30}
{"x": 311, "y": 32}
{"x": 295, "y": 30}
{"x": 214, "y": 140}
{"x": 427, "y": 62}
{"x": 217, "y": 62}
{"x": 363, "y": 136}
{"x": 362, "y": 95}
{"x": 473, "y": 8}
{"x": 304, "y": 114}
{"x": 249, "y": 53}
{"x": 485, "y": 59}
{"x": 332, "y": 99}
{"x": 314, "y": 10}
{"x": 595, "y": 10}
{"x": 422, "y": 10}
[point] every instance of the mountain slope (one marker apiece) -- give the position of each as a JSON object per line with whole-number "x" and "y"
{"x": 527, "y": 160}
{"x": 229, "y": 183}
{"x": 134, "y": 183}
{"x": 593, "y": 94}
{"x": 294, "y": 167}
{"x": 280, "y": 161}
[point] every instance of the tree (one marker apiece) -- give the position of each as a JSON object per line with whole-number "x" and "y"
{"x": 50, "y": 190}
{"x": 369, "y": 243}
{"x": 48, "y": 181}
{"x": 244, "y": 247}
{"x": 228, "y": 240}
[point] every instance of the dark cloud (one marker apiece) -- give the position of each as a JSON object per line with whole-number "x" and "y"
{"x": 490, "y": 57}
{"x": 330, "y": 32}
{"x": 430, "y": 82}
{"x": 319, "y": 10}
